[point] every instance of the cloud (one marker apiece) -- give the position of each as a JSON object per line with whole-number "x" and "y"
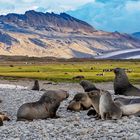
{"x": 111, "y": 15}
{"x": 20, "y": 6}
{"x": 133, "y": 6}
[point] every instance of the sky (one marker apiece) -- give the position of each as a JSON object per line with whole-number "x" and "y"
{"x": 108, "y": 15}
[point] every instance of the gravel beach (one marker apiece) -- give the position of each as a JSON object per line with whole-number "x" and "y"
{"x": 70, "y": 125}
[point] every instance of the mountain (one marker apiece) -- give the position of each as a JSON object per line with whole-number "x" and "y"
{"x": 52, "y": 35}
{"x": 48, "y": 21}
{"x": 137, "y": 35}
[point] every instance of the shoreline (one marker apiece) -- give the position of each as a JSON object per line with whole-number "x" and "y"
{"x": 70, "y": 125}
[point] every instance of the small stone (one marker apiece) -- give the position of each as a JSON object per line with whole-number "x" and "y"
{"x": 134, "y": 137}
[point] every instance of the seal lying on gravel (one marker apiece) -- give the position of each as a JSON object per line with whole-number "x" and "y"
{"x": 130, "y": 109}
{"x": 81, "y": 101}
{"x": 122, "y": 85}
{"x": 88, "y": 86}
{"x": 45, "y": 108}
{"x": 36, "y": 85}
{"x": 126, "y": 101}
{"x": 3, "y": 117}
{"x": 108, "y": 109}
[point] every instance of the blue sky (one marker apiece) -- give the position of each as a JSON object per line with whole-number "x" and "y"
{"x": 109, "y": 15}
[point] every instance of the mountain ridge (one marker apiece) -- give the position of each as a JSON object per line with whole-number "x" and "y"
{"x": 63, "y": 36}
{"x": 49, "y": 21}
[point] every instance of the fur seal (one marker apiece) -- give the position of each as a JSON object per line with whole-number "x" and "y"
{"x": 128, "y": 106}
{"x": 45, "y": 108}
{"x": 95, "y": 99}
{"x": 74, "y": 106}
{"x": 88, "y": 86}
{"x": 122, "y": 85}
{"x": 130, "y": 109}
{"x": 36, "y": 85}
{"x": 3, "y": 117}
{"x": 81, "y": 101}
{"x": 108, "y": 109}
{"x": 126, "y": 101}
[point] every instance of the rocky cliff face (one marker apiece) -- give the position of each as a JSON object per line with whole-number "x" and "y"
{"x": 48, "y": 34}
{"x": 48, "y": 21}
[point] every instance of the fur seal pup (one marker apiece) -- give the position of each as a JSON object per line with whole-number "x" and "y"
{"x": 45, "y": 108}
{"x": 81, "y": 101}
{"x": 122, "y": 85}
{"x": 95, "y": 99}
{"x": 74, "y": 106}
{"x": 108, "y": 109}
{"x": 36, "y": 85}
{"x": 126, "y": 101}
{"x": 3, "y": 117}
{"x": 88, "y": 86}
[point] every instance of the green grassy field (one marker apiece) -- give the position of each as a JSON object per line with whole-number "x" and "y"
{"x": 65, "y": 71}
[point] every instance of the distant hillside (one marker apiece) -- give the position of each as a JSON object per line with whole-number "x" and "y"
{"x": 62, "y": 36}
{"x": 137, "y": 35}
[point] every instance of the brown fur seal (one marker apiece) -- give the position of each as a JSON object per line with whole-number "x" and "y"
{"x": 122, "y": 85}
{"x": 126, "y": 101}
{"x": 108, "y": 109}
{"x": 81, "y": 101}
{"x": 74, "y": 106}
{"x": 95, "y": 98}
{"x": 45, "y": 108}
{"x": 36, "y": 85}
{"x": 88, "y": 86}
{"x": 3, "y": 117}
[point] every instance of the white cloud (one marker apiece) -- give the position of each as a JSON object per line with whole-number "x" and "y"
{"x": 20, "y": 6}
{"x": 111, "y": 15}
{"x": 132, "y": 6}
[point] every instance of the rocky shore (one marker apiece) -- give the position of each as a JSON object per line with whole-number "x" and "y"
{"x": 70, "y": 125}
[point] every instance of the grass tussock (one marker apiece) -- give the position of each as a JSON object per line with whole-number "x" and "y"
{"x": 64, "y": 72}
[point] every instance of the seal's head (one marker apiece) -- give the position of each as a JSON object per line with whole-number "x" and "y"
{"x": 121, "y": 79}
{"x": 106, "y": 95}
{"x": 87, "y": 85}
{"x": 59, "y": 95}
{"x": 74, "y": 106}
{"x": 36, "y": 82}
{"x": 36, "y": 85}
{"x": 119, "y": 71}
{"x": 116, "y": 70}
{"x": 80, "y": 97}
{"x": 64, "y": 94}
{"x": 94, "y": 94}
